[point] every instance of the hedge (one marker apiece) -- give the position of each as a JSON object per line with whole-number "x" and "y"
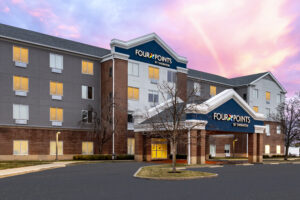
{"x": 102, "y": 157}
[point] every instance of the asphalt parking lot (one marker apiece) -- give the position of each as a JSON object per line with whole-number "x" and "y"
{"x": 116, "y": 181}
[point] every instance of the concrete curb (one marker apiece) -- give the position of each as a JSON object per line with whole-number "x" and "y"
{"x": 30, "y": 169}
{"x": 171, "y": 179}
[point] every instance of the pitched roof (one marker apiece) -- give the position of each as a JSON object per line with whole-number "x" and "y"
{"x": 238, "y": 81}
{"x": 11, "y": 32}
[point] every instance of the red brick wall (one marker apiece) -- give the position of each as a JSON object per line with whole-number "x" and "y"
{"x": 182, "y": 85}
{"x": 274, "y": 139}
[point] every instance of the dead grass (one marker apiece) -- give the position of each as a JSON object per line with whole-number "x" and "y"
{"x": 15, "y": 164}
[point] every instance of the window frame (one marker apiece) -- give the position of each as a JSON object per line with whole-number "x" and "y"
{"x": 62, "y": 146}
{"x": 25, "y": 154}
{"x": 137, "y": 67}
{"x": 278, "y": 129}
{"x": 197, "y": 91}
{"x": 255, "y": 108}
{"x": 87, "y": 61}
{"x": 133, "y": 94}
{"x": 87, "y": 92}
{"x": 268, "y": 133}
{"x": 56, "y": 108}
{"x": 153, "y": 79}
{"x": 210, "y": 90}
{"x": 16, "y": 61}
{"x": 87, "y": 147}
{"x": 56, "y": 83}
{"x": 21, "y": 77}
{"x": 55, "y": 69}
{"x": 268, "y": 94}
{"x": 173, "y": 76}
{"x": 19, "y": 109}
{"x": 153, "y": 93}
{"x": 269, "y": 149}
{"x": 87, "y": 112}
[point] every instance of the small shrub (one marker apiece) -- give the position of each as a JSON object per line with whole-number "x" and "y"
{"x": 103, "y": 157}
{"x": 179, "y": 156}
{"x": 125, "y": 157}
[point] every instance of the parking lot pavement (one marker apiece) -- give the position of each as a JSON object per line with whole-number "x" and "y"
{"x": 116, "y": 181}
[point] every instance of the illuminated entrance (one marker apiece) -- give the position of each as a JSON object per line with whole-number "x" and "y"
{"x": 159, "y": 148}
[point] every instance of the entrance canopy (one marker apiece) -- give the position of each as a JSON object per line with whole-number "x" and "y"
{"x": 226, "y": 112}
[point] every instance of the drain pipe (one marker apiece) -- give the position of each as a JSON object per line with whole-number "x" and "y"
{"x": 113, "y": 109}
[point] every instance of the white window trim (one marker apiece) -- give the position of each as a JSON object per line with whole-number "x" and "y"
{"x": 268, "y": 149}
{"x": 59, "y": 122}
{"x": 19, "y": 63}
{"x": 21, "y": 120}
{"x": 20, "y": 92}
{"x": 55, "y": 96}
{"x": 278, "y": 129}
{"x": 55, "y": 69}
{"x": 268, "y": 130}
{"x": 92, "y": 148}
{"x": 93, "y": 67}
{"x": 137, "y": 67}
{"x": 197, "y": 88}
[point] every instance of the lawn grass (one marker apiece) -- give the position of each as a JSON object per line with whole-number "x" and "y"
{"x": 17, "y": 163}
{"x": 163, "y": 172}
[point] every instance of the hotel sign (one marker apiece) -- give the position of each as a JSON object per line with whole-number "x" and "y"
{"x": 158, "y": 59}
{"x": 238, "y": 121}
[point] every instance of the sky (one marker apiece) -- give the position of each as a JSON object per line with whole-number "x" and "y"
{"x": 226, "y": 37}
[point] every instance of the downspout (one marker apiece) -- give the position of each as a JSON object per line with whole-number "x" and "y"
{"x": 113, "y": 109}
{"x": 189, "y": 146}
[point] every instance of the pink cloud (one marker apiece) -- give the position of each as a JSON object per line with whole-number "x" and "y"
{"x": 6, "y": 9}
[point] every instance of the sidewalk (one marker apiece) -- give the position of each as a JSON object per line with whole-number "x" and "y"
{"x": 24, "y": 170}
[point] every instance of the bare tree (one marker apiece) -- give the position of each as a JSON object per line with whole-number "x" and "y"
{"x": 167, "y": 120}
{"x": 288, "y": 116}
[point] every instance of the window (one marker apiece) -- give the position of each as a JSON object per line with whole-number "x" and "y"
{"x": 110, "y": 72}
{"x": 268, "y": 112}
{"x": 20, "y": 147}
{"x": 53, "y": 148}
{"x": 20, "y": 85}
{"x": 171, "y": 77}
{"x": 153, "y": 74}
{"x": 87, "y": 148}
{"x": 130, "y": 118}
{"x": 267, "y": 149}
{"x": 159, "y": 148}
{"x": 20, "y": 56}
{"x": 153, "y": 97}
{"x": 213, "y": 90}
{"x": 278, "y": 98}
{"x": 130, "y": 146}
{"x": 278, "y": 129}
{"x": 87, "y": 67}
{"x": 268, "y": 97}
{"x": 20, "y": 113}
{"x": 255, "y": 108}
{"x": 56, "y": 63}
{"x": 56, "y": 115}
{"x": 197, "y": 89}
{"x": 278, "y": 149}
{"x": 56, "y": 90}
{"x": 133, "y": 69}
{"x": 133, "y": 93}
{"x": 245, "y": 96}
{"x": 267, "y": 129}
{"x": 87, "y": 116}
{"x": 255, "y": 93}
{"x": 87, "y": 92}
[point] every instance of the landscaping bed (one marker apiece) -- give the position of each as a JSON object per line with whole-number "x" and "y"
{"x": 163, "y": 172}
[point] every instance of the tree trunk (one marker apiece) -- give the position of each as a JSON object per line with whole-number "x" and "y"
{"x": 174, "y": 148}
{"x": 286, "y": 152}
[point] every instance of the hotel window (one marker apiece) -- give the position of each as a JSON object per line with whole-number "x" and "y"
{"x": 110, "y": 72}
{"x": 87, "y": 116}
{"x": 133, "y": 69}
{"x": 171, "y": 77}
{"x": 56, "y": 90}
{"x": 267, "y": 149}
{"x": 53, "y": 148}
{"x": 267, "y": 129}
{"x": 278, "y": 98}
{"x": 87, "y": 67}
{"x": 87, "y": 148}
{"x": 278, "y": 149}
{"x": 197, "y": 89}
{"x": 20, "y": 85}
{"x": 56, "y": 116}
{"x": 130, "y": 146}
{"x": 20, "y": 147}
{"x": 245, "y": 96}
{"x": 278, "y": 129}
{"x": 255, "y": 108}
{"x": 56, "y": 63}
{"x": 268, "y": 97}
{"x": 20, "y": 56}
{"x": 20, "y": 113}
{"x": 153, "y": 97}
{"x": 255, "y": 93}
{"x": 213, "y": 90}
{"x": 87, "y": 92}
{"x": 133, "y": 93}
{"x": 153, "y": 74}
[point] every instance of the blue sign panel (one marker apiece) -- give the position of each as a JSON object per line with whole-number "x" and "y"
{"x": 152, "y": 53}
{"x": 229, "y": 117}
